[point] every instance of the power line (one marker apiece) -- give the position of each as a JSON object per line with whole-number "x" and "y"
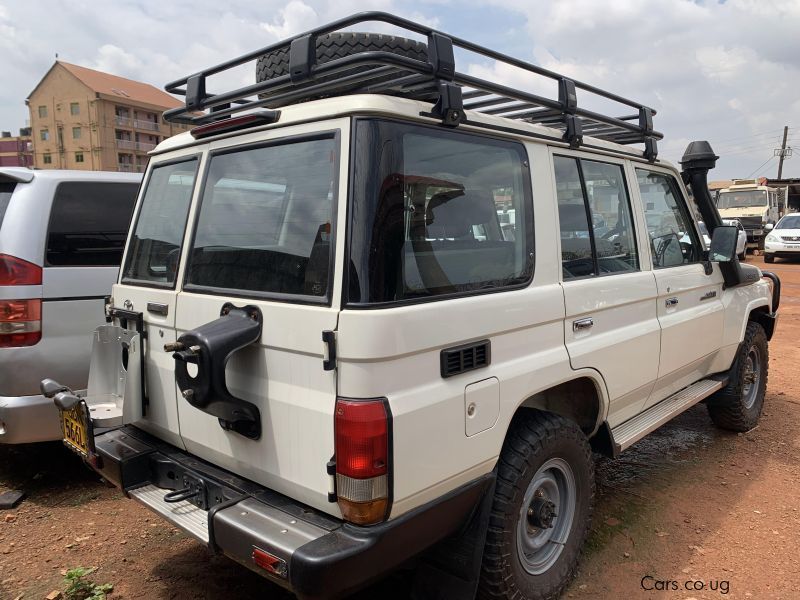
{"x": 764, "y": 164}
{"x": 769, "y": 132}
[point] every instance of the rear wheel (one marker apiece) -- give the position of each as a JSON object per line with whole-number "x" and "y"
{"x": 769, "y": 258}
{"x": 737, "y": 407}
{"x": 541, "y": 511}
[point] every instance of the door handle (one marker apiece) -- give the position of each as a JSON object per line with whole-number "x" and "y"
{"x": 670, "y": 302}
{"x": 582, "y": 324}
{"x": 158, "y": 308}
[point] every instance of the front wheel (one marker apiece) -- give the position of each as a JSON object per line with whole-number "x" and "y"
{"x": 541, "y": 510}
{"x": 737, "y": 407}
{"x": 769, "y": 258}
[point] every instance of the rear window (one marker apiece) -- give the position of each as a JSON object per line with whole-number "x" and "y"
{"x": 155, "y": 245}
{"x": 437, "y": 213}
{"x": 266, "y": 221}
{"x": 89, "y": 223}
{"x": 6, "y": 189}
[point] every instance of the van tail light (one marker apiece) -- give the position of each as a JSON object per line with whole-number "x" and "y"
{"x": 20, "y": 323}
{"x": 362, "y": 432}
{"x": 15, "y": 271}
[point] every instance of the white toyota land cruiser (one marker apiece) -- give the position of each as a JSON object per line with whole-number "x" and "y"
{"x": 326, "y": 357}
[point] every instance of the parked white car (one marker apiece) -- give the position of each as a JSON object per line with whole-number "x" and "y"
{"x": 741, "y": 243}
{"x": 784, "y": 240}
{"x": 326, "y": 356}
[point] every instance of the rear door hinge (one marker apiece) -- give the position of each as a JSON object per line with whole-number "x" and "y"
{"x": 329, "y": 356}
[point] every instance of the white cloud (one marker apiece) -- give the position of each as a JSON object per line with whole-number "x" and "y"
{"x": 727, "y": 72}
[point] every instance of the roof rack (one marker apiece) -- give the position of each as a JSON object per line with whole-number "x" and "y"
{"x": 436, "y": 80}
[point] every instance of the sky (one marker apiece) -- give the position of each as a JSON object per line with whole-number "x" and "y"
{"x": 723, "y": 71}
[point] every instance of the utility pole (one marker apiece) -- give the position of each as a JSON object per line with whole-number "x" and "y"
{"x": 783, "y": 151}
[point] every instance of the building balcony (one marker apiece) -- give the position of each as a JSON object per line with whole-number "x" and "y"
{"x": 126, "y": 144}
{"x": 126, "y": 167}
{"x": 149, "y": 125}
{"x": 145, "y": 146}
{"x": 124, "y": 121}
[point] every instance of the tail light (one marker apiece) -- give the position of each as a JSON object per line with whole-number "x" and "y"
{"x": 15, "y": 271}
{"x": 20, "y": 320}
{"x": 362, "y": 459}
{"x": 20, "y": 323}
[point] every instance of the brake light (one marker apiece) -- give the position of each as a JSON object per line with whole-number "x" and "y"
{"x": 226, "y": 125}
{"x": 362, "y": 459}
{"x": 20, "y": 323}
{"x": 15, "y": 271}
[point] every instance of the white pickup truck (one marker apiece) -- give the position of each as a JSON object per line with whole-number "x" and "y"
{"x": 325, "y": 357}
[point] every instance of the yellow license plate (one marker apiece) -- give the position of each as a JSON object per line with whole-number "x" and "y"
{"x": 75, "y": 427}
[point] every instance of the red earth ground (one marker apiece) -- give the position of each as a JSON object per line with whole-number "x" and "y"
{"x": 689, "y": 504}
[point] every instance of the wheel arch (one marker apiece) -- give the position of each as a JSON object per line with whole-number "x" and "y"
{"x": 583, "y": 399}
{"x": 761, "y": 315}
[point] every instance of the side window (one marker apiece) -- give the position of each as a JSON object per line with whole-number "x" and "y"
{"x": 672, "y": 236}
{"x": 154, "y": 247}
{"x": 597, "y": 234}
{"x": 89, "y": 223}
{"x": 440, "y": 213}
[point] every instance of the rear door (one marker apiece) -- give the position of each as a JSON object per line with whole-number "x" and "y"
{"x": 266, "y": 236}
{"x": 609, "y": 290}
{"x": 148, "y": 282}
{"x": 690, "y": 308}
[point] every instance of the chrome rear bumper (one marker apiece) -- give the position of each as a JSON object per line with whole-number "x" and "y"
{"x": 28, "y": 419}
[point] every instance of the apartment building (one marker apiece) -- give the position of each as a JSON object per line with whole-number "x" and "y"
{"x": 16, "y": 150}
{"x": 87, "y": 119}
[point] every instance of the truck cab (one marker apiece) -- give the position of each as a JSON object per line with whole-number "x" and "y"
{"x": 755, "y": 206}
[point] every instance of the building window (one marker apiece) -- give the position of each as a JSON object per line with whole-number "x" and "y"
{"x": 76, "y": 133}
{"x": 44, "y": 135}
{"x": 79, "y": 157}
{"x": 74, "y": 108}
{"x": 47, "y": 159}
{"x": 42, "y": 112}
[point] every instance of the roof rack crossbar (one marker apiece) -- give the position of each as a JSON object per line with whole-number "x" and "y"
{"x": 435, "y": 80}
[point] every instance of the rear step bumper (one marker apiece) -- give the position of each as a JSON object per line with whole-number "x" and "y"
{"x": 316, "y": 555}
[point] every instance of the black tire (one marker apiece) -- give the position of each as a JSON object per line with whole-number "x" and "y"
{"x": 535, "y": 440}
{"x": 769, "y": 258}
{"x": 737, "y": 407}
{"x": 339, "y": 45}
{"x": 743, "y": 256}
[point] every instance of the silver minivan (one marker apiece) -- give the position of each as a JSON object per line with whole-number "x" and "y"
{"x": 61, "y": 240}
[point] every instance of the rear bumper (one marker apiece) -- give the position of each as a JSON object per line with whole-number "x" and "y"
{"x": 27, "y": 419}
{"x": 318, "y": 556}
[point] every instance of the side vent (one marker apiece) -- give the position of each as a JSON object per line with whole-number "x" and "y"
{"x": 468, "y": 357}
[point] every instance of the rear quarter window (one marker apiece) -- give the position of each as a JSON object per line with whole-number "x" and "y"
{"x": 89, "y": 223}
{"x": 6, "y": 189}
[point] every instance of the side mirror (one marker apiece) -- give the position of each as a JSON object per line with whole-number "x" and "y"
{"x": 769, "y": 226}
{"x": 723, "y": 244}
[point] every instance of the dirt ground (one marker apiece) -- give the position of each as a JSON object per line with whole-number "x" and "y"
{"x": 691, "y": 510}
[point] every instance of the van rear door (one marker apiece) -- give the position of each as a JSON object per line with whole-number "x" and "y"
{"x": 148, "y": 283}
{"x": 265, "y": 237}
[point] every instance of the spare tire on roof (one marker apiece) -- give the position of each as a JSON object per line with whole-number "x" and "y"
{"x": 338, "y": 45}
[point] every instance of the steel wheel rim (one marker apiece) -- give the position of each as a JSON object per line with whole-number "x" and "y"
{"x": 539, "y": 547}
{"x": 751, "y": 376}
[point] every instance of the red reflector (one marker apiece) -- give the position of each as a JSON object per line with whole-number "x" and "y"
{"x": 362, "y": 438}
{"x": 269, "y": 562}
{"x": 15, "y": 271}
{"x": 20, "y": 323}
{"x": 224, "y": 125}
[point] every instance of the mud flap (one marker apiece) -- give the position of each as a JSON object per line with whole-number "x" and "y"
{"x": 115, "y": 392}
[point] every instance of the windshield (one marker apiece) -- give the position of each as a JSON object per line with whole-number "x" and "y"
{"x": 742, "y": 199}
{"x": 789, "y": 222}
